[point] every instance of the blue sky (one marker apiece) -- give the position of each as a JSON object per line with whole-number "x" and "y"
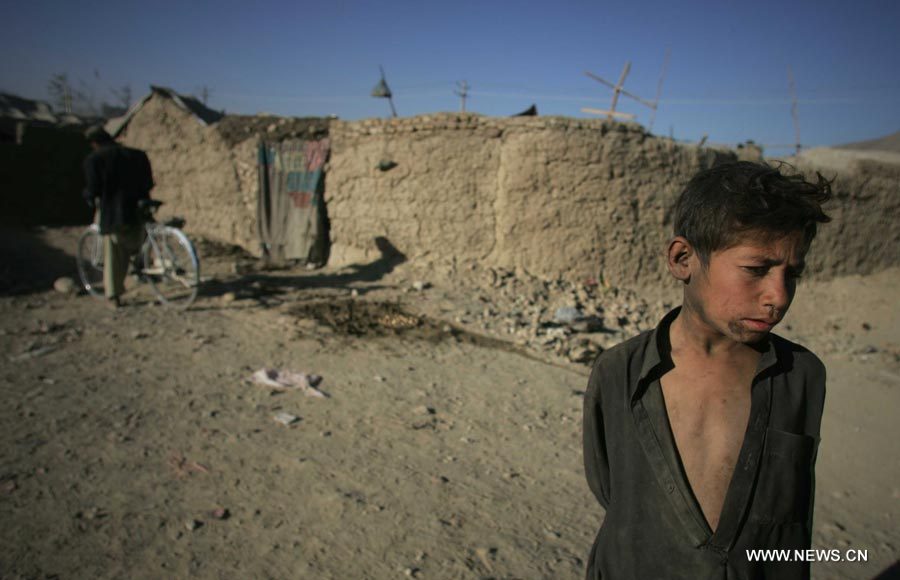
{"x": 727, "y": 76}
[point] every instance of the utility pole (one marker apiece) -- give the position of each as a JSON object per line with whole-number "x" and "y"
{"x": 462, "y": 91}
{"x": 793, "y": 90}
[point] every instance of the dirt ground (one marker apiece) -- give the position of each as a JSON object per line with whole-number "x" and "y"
{"x": 134, "y": 445}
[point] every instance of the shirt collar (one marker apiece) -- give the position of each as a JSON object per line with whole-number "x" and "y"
{"x": 656, "y": 352}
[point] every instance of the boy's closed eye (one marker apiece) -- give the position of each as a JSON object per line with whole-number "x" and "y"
{"x": 760, "y": 271}
{"x": 757, "y": 270}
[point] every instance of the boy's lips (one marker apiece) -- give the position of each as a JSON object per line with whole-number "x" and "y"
{"x": 760, "y": 324}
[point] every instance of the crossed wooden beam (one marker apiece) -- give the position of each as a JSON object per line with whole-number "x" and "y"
{"x": 618, "y": 89}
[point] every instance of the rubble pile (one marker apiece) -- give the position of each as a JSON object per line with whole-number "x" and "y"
{"x": 562, "y": 319}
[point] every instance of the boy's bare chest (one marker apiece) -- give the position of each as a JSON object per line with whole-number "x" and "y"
{"x": 708, "y": 413}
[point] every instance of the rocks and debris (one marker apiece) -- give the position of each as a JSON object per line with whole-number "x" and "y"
{"x": 91, "y": 513}
{"x": 34, "y": 352}
{"x": 582, "y": 355}
{"x": 193, "y": 524}
{"x": 65, "y": 285}
{"x": 182, "y": 467}
{"x": 565, "y": 320}
{"x": 8, "y": 486}
{"x": 289, "y": 380}
{"x": 486, "y": 556}
{"x": 220, "y": 513}
{"x": 285, "y": 418}
{"x": 567, "y": 314}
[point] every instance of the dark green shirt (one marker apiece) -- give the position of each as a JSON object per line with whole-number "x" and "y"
{"x": 654, "y": 527}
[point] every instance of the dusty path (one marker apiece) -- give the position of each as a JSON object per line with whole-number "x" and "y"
{"x": 433, "y": 457}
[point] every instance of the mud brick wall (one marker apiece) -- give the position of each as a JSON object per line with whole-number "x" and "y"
{"x": 551, "y": 196}
{"x": 198, "y": 174}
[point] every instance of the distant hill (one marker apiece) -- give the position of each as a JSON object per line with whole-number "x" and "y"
{"x": 888, "y": 143}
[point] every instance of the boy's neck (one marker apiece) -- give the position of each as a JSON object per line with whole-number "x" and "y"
{"x": 689, "y": 332}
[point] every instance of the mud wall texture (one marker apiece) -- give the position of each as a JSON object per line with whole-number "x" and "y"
{"x": 198, "y": 174}
{"x": 549, "y": 196}
{"x": 864, "y": 234}
{"x": 560, "y": 197}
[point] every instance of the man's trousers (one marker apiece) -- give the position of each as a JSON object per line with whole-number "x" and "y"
{"x": 118, "y": 247}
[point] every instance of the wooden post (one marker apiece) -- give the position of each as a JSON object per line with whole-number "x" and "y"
{"x": 617, "y": 90}
{"x": 793, "y": 90}
{"x": 662, "y": 76}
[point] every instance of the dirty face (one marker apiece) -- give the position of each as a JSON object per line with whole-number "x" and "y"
{"x": 747, "y": 289}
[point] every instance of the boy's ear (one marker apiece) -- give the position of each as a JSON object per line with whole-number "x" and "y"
{"x": 679, "y": 258}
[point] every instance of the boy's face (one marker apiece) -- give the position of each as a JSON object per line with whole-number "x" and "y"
{"x": 746, "y": 289}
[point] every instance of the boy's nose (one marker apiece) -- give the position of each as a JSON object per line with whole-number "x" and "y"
{"x": 778, "y": 294}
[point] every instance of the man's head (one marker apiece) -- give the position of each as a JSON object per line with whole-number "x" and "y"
{"x": 97, "y": 136}
{"x": 742, "y": 231}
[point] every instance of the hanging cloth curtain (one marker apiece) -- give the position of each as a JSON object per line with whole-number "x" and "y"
{"x": 291, "y": 209}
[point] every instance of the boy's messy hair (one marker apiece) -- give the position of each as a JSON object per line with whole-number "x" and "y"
{"x": 722, "y": 203}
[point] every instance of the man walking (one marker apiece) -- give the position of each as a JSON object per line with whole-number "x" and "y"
{"x": 116, "y": 179}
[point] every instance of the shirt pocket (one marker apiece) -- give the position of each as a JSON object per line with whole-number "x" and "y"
{"x": 785, "y": 479}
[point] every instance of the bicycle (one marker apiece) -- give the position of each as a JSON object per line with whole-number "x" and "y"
{"x": 167, "y": 259}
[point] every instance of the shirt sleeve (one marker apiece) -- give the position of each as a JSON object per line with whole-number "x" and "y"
{"x": 596, "y": 459}
{"x": 91, "y": 181}
{"x": 147, "y": 173}
{"x": 816, "y": 394}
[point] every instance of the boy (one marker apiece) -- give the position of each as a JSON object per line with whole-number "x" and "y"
{"x": 700, "y": 437}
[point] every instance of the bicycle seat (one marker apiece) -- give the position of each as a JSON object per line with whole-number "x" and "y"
{"x": 149, "y": 203}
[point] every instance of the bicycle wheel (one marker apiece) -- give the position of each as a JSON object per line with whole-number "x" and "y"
{"x": 171, "y": 266}
{"x": 90, "y": 261}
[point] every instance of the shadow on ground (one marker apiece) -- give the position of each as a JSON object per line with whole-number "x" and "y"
{"x": 28, "y": 264}
{"x": 260, "y": 285}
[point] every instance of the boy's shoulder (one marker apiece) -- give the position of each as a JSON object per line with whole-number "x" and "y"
{"x": 798, "y": 361}
{"x": 630, "y": 350}
{"x": 622, "y": 363}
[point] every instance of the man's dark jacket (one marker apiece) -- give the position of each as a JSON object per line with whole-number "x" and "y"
{"x": 120, "y": 177}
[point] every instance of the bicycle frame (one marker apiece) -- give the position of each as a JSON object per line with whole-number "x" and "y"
{"x": 159, "y": 261}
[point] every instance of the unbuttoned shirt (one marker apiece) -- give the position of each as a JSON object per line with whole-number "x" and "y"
{"x": 654, "y": 527}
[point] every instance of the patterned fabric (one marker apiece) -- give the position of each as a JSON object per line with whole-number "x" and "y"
{"x": 291, "y": 204}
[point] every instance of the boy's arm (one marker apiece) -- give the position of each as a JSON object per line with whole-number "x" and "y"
{"x": 817, "y": 407}
{"x": 596, "y": 460}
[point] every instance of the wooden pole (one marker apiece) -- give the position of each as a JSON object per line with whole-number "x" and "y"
{"x": 618, "y": 88}
{"x": 793, "y": 89}
{"x": 391, "y": 102}
{"x": 609, "y": 114}
{"x": 662, "y": 76}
